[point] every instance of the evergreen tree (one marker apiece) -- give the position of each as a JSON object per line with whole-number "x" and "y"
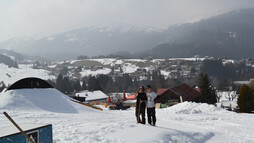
{"x": 208, "y": 94}
{"x": 64, "y": 71}
{"x": 84, "y": 87}
{"x": 245, "y": 100}
{"x": 63, "y": 84}
{"x": 60, "y": 83}
{"x": 103, "y": 80}
{"x": 67, "y": 85}
{"x": 109, "y": 87}
{"x": 135, "y": 84}
{"x": 77, "y": 85}
{"x": 91, "y": 83}
{"x": 97, "y": 85}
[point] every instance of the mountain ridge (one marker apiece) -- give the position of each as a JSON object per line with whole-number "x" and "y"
{"x": 221, "y": 35}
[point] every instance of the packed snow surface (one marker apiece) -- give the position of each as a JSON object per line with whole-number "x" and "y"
{"x": 194, "y": 108}
{"x": 48, "y": 99}
{"x": 185, "y": 122}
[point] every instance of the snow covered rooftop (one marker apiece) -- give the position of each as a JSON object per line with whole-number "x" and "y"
{"x": 10, "y": 130}
{"x": 95, "y": 95}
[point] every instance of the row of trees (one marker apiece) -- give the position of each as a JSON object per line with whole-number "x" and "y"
{"x": 215, "y": 68}
{"x": 65, "y": 85}
{"x": 125, "y": 82}
{"x": 109, "y": 84}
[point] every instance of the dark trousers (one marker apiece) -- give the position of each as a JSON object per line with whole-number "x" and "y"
{"x": 142, "y": 112}
{"x": 151, "y": 115}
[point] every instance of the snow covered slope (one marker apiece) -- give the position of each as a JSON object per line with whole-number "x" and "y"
{"x": 182, "y": 123}
{"x": 38, "y": 100}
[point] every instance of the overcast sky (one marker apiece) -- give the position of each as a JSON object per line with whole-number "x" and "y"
{"x": 49, "y": 17}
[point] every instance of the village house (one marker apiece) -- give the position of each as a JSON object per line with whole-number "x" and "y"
{"x": 184, "y": 91}
{"x": 93, "y": 96}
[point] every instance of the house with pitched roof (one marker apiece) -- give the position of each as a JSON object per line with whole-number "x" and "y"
{"x": 188, "y": 93}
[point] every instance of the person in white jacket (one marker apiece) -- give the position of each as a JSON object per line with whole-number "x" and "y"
{"x": 151, "y": 96}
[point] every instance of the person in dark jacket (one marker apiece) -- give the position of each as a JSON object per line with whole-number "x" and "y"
{"x": 141, "y": 105}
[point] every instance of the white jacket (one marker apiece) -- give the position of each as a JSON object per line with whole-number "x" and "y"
{"x": 150, "y": 99}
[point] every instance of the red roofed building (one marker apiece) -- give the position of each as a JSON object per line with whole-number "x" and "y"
{"x": 171, "y": 95}
{"x": 197, "y": 89}
{"x": 188, "y": 93}
{"x": 166, "y": 96}
{"x": 162, "y": 90}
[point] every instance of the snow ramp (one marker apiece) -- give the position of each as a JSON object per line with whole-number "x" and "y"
{"x": 36, "y": 99}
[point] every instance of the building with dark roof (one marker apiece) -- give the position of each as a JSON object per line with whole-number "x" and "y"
{"x": 173, "y": 94}
{"x": 30, "y": 82}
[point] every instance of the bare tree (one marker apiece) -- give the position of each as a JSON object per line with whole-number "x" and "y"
{"x": 228, "y": 96}
{"x": 231, "y": 95}
{"x": 218, "y": 95}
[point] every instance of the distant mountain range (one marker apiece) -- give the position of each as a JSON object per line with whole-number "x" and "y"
{"x": 8, "y": 61}
{"x": 230, "y": 34}
{"x": 15, "y": 56}
{"x": 88, "y": 41}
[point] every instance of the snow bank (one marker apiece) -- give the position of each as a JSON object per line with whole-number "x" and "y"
{"x": 194, "y": 108}
{"x": 37, "y": 100}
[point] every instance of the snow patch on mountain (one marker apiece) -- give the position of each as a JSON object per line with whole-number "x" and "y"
{"x": 88, "y": 72}
{"x": 105, "y": 61}
{"x": 129, "y": 68}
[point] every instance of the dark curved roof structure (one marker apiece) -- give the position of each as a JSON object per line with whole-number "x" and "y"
{"x": 31, "y": 82}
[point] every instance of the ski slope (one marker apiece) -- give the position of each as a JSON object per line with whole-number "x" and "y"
{"x": 185, "y": 123}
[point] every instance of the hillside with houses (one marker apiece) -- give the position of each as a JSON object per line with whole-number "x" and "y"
{"x": 172, "y": 78}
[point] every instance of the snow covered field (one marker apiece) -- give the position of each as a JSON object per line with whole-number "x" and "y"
{"x": 11, "y": 75}
{"x": 185, "y": 122}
